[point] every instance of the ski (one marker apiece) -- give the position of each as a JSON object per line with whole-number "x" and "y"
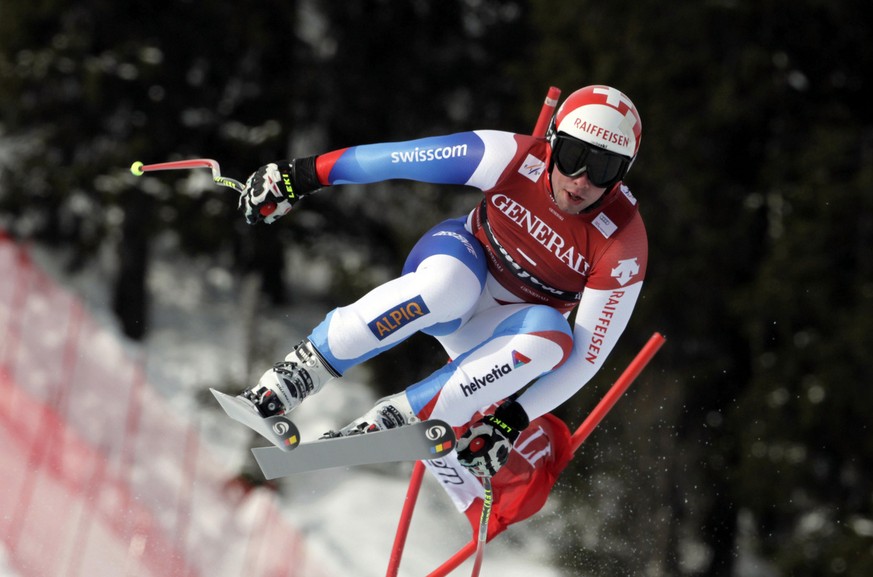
{"x": 425, "y": 440}
{"x": 277, "y": 429}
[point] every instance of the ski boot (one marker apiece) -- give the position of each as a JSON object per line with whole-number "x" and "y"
{"x": 282, "y": 388}
{"x": 388, "y": 413}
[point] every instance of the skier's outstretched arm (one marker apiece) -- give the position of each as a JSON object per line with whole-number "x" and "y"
{"x": 466, "y": 158}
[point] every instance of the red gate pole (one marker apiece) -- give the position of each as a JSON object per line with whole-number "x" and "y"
{"x": 405, "y": 519}
{"x": 547, "y": 110}
{"x": 621, "y": 385}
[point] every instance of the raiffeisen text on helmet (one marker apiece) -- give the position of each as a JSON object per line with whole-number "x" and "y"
{"x": 601, "y": 133}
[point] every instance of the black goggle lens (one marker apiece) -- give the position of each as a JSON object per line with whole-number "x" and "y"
{"x": 574, "y": 157}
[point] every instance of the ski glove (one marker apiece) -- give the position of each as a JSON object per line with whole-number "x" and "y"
{"x": 272, "y": 190}
{"x": 484, "y": 448}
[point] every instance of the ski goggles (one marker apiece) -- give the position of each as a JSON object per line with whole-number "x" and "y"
{"x": 574, "y": 157}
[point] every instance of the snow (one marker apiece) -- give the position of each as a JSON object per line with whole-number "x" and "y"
{"x": 198, "y": 338}
{"x": 5, "y": 569}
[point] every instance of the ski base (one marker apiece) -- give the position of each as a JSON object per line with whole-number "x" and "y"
{"x": 425, "y": 440}
{"x": 277, "y": 429}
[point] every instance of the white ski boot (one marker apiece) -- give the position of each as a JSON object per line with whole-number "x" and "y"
{"x": 388, "y": 413}
{"x": 281, "y": 389}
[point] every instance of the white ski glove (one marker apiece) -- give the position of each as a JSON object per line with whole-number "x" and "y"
{"x": 484, "y": 448}
{"x": 272, "y": 190}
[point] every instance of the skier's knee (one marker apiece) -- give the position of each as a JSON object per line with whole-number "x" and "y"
{"x": 449, "y": 288}
{"x": 544, "y": 322}
{"x": 557, "y": 329}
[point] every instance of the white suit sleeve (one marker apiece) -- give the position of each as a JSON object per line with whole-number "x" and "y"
{"x": 600, "y": 321}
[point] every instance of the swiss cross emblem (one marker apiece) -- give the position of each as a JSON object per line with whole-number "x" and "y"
{"x": 614, "y": 97}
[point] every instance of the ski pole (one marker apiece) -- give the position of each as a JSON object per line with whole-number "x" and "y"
{"x": 487, "y": 502}
{"x": 549, "y": 104}
{"x": 138, "y": 169}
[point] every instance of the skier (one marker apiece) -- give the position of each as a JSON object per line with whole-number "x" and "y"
{"x": 557, "y": 229}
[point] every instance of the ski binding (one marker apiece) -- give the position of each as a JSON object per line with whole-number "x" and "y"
{"x": 277, "y": 429}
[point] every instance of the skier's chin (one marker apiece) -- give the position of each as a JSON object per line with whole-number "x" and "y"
{"x": 570, "y": 202}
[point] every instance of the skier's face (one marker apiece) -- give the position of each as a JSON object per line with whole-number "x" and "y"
{"x": 574, "y": 194}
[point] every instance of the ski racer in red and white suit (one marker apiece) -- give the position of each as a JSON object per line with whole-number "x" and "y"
{"x": 557, "y": 229}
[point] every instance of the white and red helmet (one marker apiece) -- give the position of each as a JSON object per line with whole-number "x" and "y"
{"x": 603, "y": 117}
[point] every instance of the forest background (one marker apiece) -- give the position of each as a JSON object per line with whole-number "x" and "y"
{"x": 755, "y": 179}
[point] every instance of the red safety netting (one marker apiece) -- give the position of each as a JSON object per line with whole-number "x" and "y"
{"x": 99, "y": 475}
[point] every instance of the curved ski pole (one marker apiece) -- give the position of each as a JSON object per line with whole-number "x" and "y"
{"x": 483, "y": 525}
{"x": 138, "y": 169}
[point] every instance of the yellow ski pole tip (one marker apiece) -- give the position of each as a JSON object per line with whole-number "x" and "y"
{"x": 136, "y": 168}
